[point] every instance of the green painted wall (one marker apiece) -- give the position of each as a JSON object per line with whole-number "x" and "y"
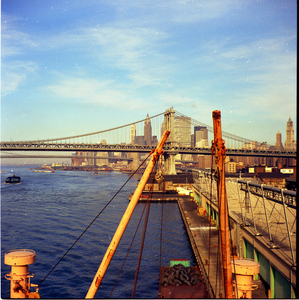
{"x": 264, "y": 267}
{"x": 282, "y": 287}
{"x": 248, "y": 250}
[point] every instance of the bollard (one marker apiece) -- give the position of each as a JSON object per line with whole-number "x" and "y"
{"x": 19, "y": 276}
{"x": 244, "y": 269}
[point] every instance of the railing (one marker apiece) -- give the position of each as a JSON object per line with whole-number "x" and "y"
{"x": 270, "y": 193}
{"x": 268, "y": 212}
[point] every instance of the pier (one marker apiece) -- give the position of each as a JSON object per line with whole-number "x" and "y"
{"x": 250, "y": 240}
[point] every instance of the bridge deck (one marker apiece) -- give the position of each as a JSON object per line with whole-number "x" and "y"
{"x": 43, "y": 146}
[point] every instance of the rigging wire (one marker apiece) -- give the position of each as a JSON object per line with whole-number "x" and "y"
{"x": 219, "y": 236}
{"x": 93, "y": 221}
{"x": 128, "y": 250}
{"x": 209, "y": 251}
{"x": 231, "y": 244}
{"x": 148, "y": 203}
{"x": 161, "y": 231}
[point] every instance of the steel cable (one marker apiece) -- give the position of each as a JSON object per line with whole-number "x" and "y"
{"x": 148, "y": 203}
{"x": 128, "y": 250}
{"x": 92, "y": 222}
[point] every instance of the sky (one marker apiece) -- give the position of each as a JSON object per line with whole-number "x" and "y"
{"x": 74, "y": 67}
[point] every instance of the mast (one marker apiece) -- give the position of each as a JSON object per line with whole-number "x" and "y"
{"x": 125, "y": 219}
{"x": 218, "y": 149}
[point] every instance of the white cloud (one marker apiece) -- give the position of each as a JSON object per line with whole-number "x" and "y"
{"x": 93, "y": 91}
{"x": 177, "y": 11}
{"x": 14, "y": 75}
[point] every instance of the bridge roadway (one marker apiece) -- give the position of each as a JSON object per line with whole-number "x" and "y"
{"x": 36, "y": 146}
{"x": 66, "y": 156}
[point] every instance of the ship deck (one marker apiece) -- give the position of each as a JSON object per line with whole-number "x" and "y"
{"x": 196, "y": 291}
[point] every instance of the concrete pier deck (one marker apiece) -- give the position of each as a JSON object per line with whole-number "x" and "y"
{"x": 261, "y": 229}
{"x": 204, "y": 240}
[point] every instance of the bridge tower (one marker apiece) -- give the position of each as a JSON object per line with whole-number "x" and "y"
{"x": 169, "y": 167}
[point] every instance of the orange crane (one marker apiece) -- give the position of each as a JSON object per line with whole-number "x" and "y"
{"x": 218, "y": 150}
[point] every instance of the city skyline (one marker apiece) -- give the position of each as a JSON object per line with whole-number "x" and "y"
{"x": 73, "y": 67}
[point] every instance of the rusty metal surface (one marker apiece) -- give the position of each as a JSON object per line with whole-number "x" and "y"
{"x": 182, "y": 291}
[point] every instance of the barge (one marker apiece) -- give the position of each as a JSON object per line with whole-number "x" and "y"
{"x": 181, "y": 281}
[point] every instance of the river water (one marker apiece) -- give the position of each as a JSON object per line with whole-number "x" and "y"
{"x": 47, "y": 212}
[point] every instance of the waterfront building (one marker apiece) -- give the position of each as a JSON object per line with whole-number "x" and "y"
{"x": 231, "y": 167}
{"x": 290, "y": 143}
{"x": 248, "y": 160}
{"x": 262, "y": 160}
{"x": 132, "y": 133}
{"x": 90, "y": 159}
{"x": 204, "y": 162}
{"x": 182, "y": 131}
{"x": 78, "y": 161}
{"x": 278, "y": 144}
{"x": 101, "y": 161}
{"x": 147, "y": 131}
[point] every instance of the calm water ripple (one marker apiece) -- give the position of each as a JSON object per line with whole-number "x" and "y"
{"x": 47, "y": 212}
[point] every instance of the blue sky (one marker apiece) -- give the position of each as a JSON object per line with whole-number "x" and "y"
{"x": 73, "y": 67}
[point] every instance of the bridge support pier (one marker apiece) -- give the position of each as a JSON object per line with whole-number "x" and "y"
{"x": 169, "y": 165}
{"x": 134, "y": 164}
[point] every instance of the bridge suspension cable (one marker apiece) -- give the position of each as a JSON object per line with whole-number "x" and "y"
{"x": 210, "y": 129}
{"x": 92, "y": 133}
{"x": 122, "y": 134}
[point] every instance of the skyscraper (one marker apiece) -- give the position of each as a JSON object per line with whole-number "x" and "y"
{"x": 147, "y": 131}
{"x": 132, "y": 133}
{"x": 182, "y": 131}
{"x": 278, "y": 144}
{"x": 290, "y": 143}
{"x": 201, "y": 137}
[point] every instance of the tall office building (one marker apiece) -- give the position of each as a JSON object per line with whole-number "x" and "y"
{"x": 278, "y": 144}
{"x": 182, "y": 131}
{"x": 290, "y": 143}
{"x": 147, "y": 131}
{"x": 139, "y": 140}
{"x": 201, "y": 137}
{"x": 132, "y": 133}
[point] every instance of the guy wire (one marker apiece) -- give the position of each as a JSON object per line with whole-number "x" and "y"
{"x": 148, "y": 204}
{"x": 137, "y": 227}
{"x": 93, "y": 220}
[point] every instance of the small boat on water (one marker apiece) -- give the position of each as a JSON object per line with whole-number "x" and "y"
{"x": 13, "y": 179}
{"x": 43, "y": 171}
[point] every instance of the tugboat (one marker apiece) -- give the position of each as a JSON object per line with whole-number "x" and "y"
{"x": 13, "y": 179}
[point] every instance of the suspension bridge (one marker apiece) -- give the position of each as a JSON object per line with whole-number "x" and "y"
{"x": 188, "y": 136}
